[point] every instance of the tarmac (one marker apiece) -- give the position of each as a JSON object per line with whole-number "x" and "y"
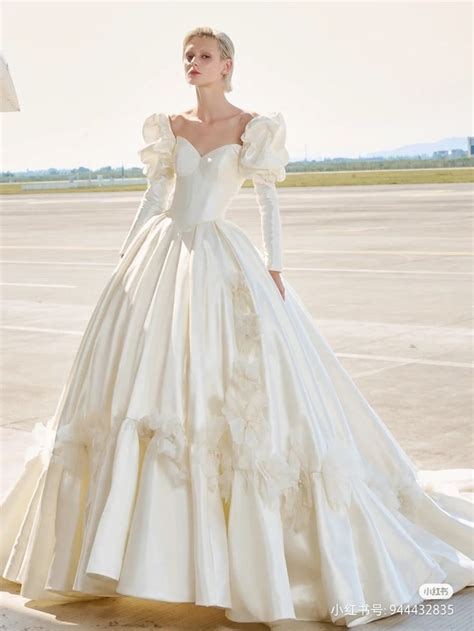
{"x": 386, "y": 272}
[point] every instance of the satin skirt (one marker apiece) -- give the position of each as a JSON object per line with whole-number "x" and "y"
{"x": 209, "y": 447}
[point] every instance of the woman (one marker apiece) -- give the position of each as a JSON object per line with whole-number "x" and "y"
{"x": 208, "y": 446}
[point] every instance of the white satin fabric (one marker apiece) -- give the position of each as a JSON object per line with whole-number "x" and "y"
{"x": 261, "y": 157}
{"x": 209, "y": 447}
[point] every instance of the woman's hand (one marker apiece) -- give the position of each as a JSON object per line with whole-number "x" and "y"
{"x": 278, "y": 282}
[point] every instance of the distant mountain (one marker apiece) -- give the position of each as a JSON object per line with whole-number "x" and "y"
{"x": 426, "y": 148}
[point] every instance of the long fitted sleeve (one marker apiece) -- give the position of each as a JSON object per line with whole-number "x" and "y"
{"x": 263, "y": 159}
{"x": 157, "y": 157}
{"x": 270, "y": 221}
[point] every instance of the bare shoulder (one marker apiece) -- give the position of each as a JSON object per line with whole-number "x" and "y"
{"x": 176, "y": 121}
{"x": 247, "y": 116}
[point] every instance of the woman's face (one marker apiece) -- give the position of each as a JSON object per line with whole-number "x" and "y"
{"x": 202, "y": 62}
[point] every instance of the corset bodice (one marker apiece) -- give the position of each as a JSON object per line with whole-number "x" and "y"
{"x": 205, "y": 184}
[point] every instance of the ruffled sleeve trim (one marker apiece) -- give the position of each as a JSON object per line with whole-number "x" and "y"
{"x": 157, "y": 154}
{"x": 264, "y": 155}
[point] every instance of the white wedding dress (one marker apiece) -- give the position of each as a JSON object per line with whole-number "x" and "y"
{"x": 208, "y": 446}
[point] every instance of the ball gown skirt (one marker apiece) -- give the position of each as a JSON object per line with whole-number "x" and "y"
{"x": 208, "y": 446}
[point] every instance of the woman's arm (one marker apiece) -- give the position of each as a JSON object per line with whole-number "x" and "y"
{"x": 270, "y": 220}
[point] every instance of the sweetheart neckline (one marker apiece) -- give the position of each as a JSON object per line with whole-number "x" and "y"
{"x": 204, "y": 155}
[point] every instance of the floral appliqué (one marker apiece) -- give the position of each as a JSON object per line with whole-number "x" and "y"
{"x": 239, "y": 438}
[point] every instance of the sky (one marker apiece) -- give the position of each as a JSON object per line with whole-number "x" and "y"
{"x": 349, "y": 77}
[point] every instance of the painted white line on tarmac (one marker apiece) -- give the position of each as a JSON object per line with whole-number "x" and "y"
{"x": 386, "y": 252}
{"x": 374, "y": 271}
{"x": 36, "y": 329}
{"x": 79, "y": 263}
{"x": 316, "y": 193}
{"x": 408, "y": 360}
{"x": 73, "y": 199}
{"x": 58, "y": 247}
{"x": 356, "y": 229}
{"x": 38, "y": 285}
{"x": 433, "y": 192}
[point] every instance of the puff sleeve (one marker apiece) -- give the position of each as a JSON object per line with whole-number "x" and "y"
{"x": 263, "y": 159}
{"x": 157, "y": 157}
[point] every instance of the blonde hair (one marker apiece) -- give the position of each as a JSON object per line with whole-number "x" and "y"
{"x": 226, "y": 48}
